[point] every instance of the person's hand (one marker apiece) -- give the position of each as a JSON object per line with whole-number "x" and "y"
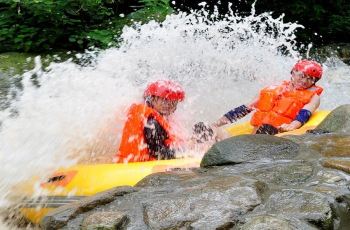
{"x": 220, "y": 133}
{"x": 203, "y": 132}
{"x": 289, "y": 127}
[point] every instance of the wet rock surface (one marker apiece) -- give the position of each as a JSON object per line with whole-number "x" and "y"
{"x": 331, "y": 145}
{"x": 337, "y": 121}
{"x": 105, "y": 221}
{"x": 244, "y": 148}
{"x": 284, "y": 173}
{"x": 338, "y": 164}
{"x": 302, "y": 204}
{"x": 63, "y": 214}
{"x": 248, "y": 182}
{"x": 208, "y": 205}
{"x": 259, "y": 222}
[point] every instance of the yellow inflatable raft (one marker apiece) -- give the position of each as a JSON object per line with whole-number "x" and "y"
{"x": 246, "y": 128}
{"x": 67, "y": 185}
{"x": 74, "y": 183}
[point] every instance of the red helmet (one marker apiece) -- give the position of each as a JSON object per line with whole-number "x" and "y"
{"x": 165, "y": 89}
{"x": 309, "y": 68}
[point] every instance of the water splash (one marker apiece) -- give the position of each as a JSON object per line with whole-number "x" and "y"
{"x": 73, "y": 111}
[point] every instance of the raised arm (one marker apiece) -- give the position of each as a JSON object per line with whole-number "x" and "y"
{"x": 236, "y": 114}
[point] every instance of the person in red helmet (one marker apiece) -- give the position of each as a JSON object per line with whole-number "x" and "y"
{"x": 284, "y": 107}
{"x": 147, "y": 134}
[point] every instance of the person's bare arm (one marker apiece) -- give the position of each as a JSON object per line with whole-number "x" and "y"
{"x": 313, "y": 105}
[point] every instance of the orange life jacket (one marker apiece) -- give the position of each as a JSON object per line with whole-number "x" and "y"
{"x": 132, "y": 146}
{"x": 278, "y": 105}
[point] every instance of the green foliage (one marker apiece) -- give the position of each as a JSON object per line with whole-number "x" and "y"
{"x": 15, "y": 63}
{"x": 42, "y": 25}
{"x": 325, "y": 21}
{"x": 45, "y": 25}
{"x": 153, "y": 9}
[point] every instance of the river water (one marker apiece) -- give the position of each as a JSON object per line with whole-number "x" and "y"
{"x": 68, "y": 110}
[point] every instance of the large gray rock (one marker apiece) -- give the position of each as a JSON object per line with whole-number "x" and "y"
{"x": 205, "y": 201}
{"x": 274, "y": 222}
{"x": 244, "y": 148}
{"x": 302, "y": 204}
{"x": 165, "y": 178}
{"x": 105, "y": 221}
{"x": 284, "y": 173}
{"x": 60, "y": 217}
{"x": 210, "y": 205}
{"x": 337, "y": 121}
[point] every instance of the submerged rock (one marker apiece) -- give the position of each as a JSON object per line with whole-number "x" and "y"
{"x": 329, "y": 176}
{"x": 343, "y": 165}
{"x": 244, "y": 148}
{"x": 332, "y": 145}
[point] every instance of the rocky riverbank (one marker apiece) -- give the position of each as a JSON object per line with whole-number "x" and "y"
{"x": 245, "y": 182}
